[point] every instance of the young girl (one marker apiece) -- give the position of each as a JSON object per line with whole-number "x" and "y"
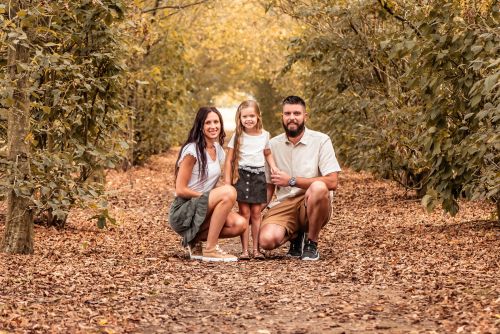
{"x": 245, "y": 169}
{"x": 201, "y": 211}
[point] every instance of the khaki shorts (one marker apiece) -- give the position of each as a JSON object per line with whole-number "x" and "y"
{"x": 292, "y": 215}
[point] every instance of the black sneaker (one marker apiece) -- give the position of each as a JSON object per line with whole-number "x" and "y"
{"x": 296, "y": 246}
{"x": 310, "y": 251}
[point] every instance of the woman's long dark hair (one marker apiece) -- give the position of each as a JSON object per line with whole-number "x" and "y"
{"x": 196, "y": 136}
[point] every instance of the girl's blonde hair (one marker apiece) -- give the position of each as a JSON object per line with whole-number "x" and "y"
{"x": 237, "y": 134}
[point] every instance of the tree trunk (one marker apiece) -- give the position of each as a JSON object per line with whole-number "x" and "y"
{"x": 18, "y": 237}
{"x": 498, "y": 210}
{"x": 128, "y": 160}
{"x": 131, "y": 126}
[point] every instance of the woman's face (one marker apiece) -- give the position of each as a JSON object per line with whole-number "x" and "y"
{"x": 211, "y": 127}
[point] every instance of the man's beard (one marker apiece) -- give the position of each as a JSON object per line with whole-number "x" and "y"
{"x": 296, "y": 132}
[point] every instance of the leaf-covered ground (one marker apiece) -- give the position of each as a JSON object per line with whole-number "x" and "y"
{"x": 386, "y": 267}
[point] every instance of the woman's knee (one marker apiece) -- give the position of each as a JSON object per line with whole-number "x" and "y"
{"x": 230, "y": 192}
{"x": 227, "y": 193}
{"x": 240, "y": 223}
{"x": 237, "y": 221}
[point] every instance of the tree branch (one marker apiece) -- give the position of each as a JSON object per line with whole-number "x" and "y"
{"x": 179, "y": 7}
{"x": 388, "y": 9}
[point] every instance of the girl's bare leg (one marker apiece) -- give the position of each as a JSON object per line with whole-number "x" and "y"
{"x": 255, "y": 218}
{"x": 244, "y": 210}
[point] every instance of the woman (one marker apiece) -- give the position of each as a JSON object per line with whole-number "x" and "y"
{"x": 201, "y": 212}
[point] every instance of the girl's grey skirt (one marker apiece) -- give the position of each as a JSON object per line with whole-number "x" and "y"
{"x": 251, "y": 185}
{"x": 187, "y": 215}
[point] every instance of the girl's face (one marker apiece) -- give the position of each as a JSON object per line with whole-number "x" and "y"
{"x": 211, "y": 127}
{"x": 248, "y": 118}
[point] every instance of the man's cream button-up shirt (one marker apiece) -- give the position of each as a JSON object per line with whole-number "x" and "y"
{"x": 312, "y": 156}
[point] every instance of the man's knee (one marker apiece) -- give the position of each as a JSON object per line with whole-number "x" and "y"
{"x": 317, "y": 191}
{"x": 318, "y": 187}
{"x": 268, "y": 242}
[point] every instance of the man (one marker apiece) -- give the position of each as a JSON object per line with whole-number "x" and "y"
{"x": 308, "y": 173}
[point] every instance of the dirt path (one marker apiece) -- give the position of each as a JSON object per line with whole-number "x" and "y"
{"x": 386, "y": 267}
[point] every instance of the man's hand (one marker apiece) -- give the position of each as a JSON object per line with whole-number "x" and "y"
{"x": 280, "y": 179}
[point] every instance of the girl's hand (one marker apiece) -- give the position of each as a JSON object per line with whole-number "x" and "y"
{"x": 274, "y": 170}
{"x": 280, "y": 178}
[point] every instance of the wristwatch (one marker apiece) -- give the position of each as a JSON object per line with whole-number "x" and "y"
{"x": 292, "y": 182}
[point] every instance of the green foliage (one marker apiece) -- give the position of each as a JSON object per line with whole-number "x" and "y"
{"x": 455, "y": 70}
{"x": 354, "y": 91}
{"x": 412, "y": 98}
{"x": 270, "y": 105}
{"x": 159, "y": 94}
{"x": 105, "y": 84}
{"x": 74, "y": 79}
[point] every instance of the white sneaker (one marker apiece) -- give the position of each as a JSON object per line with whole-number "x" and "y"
{"x": 195, "y": 251}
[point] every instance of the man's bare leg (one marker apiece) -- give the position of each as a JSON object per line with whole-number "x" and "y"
{"x": 318, "y": 208}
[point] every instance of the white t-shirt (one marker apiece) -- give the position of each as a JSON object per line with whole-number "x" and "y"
{"x": 252, "y": 149}
{"x": 213, "y": 167}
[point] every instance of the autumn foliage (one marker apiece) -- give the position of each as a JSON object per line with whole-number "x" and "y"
{"x": 408, "y": 91}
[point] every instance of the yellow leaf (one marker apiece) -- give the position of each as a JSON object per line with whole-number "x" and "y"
{"x": 9, "y": 102}
{"x": 22, "y": 13}
{"x": 103, "y": 322}
{"x": 156, "y": 70}
{"x": 29, "y": 138}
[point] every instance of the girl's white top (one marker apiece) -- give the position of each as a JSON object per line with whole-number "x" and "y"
{"x": 196, "y": 182}
{"x": 252, "y": 149}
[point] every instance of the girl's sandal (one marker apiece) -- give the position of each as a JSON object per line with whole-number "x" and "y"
{"x": 244, "y": 256}
{"x": 258, "y": 255}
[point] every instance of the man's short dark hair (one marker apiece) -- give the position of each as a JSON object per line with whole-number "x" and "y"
{"x": 292, "y": 99}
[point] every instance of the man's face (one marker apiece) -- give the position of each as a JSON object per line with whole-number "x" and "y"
{"x": 294, "y": 117}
